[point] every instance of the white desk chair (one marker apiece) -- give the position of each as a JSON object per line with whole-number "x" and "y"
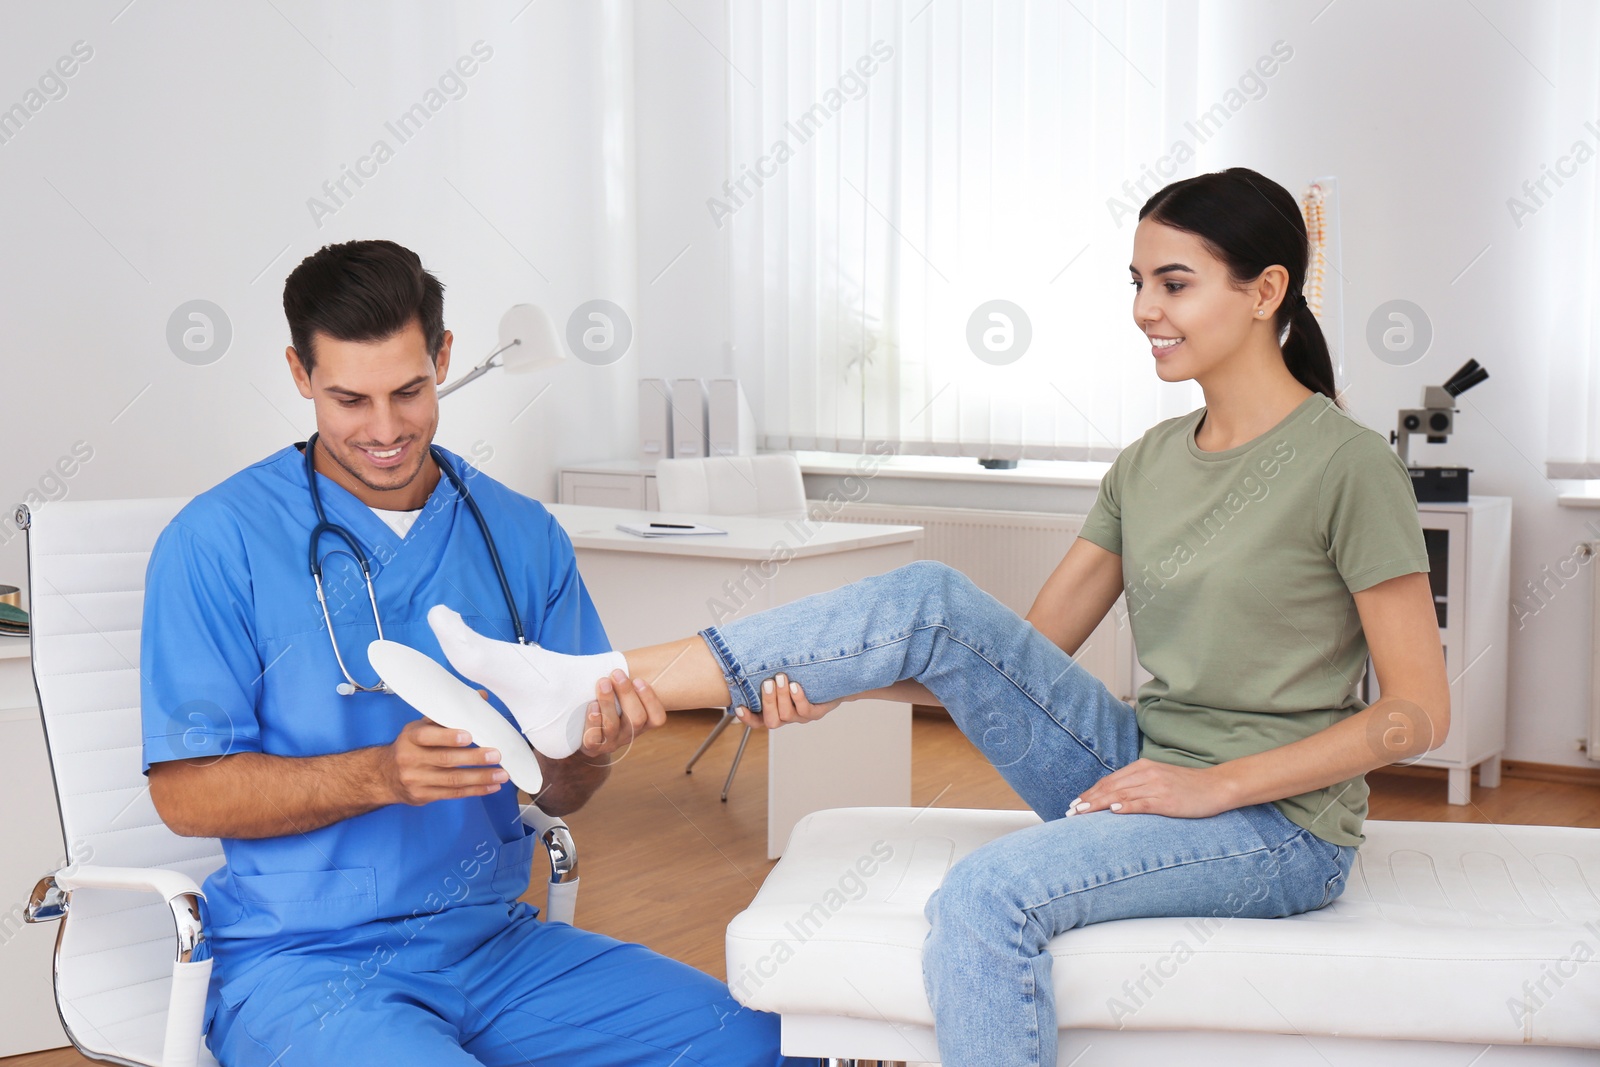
{"x": 128, "y": 991}
{"x": 1452, "y": 944}
{"x": 769, "y": 486}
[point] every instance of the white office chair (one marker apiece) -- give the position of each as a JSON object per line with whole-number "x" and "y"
{"x": 1453, "y": 943}
{"x": 769, "y": 486}
{"x": 128, "y": 991}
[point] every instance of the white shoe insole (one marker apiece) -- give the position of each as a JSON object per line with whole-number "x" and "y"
{"x": 426, "y": 685}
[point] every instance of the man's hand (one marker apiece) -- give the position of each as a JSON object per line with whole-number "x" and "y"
{"x": 254, "y": 795}
{"x": 623, "y": 709}
{"x": 429, "y": 762}
{"x": 1146, "y": 787}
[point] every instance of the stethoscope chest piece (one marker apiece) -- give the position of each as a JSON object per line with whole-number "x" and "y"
{"x": 353, "y": 549}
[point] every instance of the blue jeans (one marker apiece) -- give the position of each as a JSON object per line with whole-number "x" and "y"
{"x": 1052, "y": 729}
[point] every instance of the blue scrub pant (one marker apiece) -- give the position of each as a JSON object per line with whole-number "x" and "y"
{"x": 536, "y": 993}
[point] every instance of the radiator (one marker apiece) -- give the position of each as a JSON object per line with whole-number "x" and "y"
{"x": 1008, "y": 554}
{"x": 1592, "y": 750}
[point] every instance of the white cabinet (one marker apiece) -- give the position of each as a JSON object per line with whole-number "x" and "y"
{"x": 623, "y": 483}
{"x": 1469, "y": 560}
{"x": 31, "y": 846}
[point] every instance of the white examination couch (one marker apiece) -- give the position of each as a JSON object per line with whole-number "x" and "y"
{"x": 1453, "y": 944}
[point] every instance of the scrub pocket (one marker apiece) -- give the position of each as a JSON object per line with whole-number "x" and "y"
{"x": 514, "y": 867}
{"x": 300, "y": 902}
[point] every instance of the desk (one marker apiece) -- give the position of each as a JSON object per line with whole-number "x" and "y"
{"x": 31, "y": 846}
{"x": 659, "y": 589}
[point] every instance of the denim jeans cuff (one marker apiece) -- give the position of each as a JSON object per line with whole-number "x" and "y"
{"x": 740, "y": 688}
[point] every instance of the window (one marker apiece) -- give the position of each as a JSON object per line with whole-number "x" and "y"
{"x": 1559, "y": 203}
{"x": 931, "y": 213}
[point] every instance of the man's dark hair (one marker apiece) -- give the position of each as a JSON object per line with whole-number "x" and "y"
{"x": 361, "y": 291}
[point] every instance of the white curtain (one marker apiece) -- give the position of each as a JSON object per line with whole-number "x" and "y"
{"x": 897, "y": 165}
{"x": 1573, "y": 269}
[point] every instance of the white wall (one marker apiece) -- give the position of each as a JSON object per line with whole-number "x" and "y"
{"x": 681, "y": 110}
{"x": 591, "y": 141}
{"x": 179, "y": 164}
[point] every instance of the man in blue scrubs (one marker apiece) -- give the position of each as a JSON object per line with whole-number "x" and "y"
{"x": 367, "y": 911}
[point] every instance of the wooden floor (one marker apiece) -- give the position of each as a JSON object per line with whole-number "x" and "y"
{"x": 665, "y": 863}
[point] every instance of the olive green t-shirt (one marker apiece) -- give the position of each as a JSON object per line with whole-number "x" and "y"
{"x": 1238, "y": 567}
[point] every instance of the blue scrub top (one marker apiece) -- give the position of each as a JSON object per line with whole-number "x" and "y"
{"x": 235, "y": 658}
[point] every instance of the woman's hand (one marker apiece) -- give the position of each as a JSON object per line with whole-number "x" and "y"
{"x": 1146, "y": 787}
{"x": 783, "y": 701}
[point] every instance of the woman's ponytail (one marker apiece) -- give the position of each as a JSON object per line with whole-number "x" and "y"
{"x": 1305, "y": 350}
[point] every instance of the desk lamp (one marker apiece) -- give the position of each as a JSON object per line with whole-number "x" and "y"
{"x": 528, "y": 340}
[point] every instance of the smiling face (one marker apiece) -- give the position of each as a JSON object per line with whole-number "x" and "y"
{"x": 377, "y": 407}
{"x": 1194, "y": 313}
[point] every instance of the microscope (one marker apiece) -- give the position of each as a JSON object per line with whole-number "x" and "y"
{"x": 1436, "y": 419}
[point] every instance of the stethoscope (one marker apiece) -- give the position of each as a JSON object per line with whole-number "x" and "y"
{"x": 350, "y": 686}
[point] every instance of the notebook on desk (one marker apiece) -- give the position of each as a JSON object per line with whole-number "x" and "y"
{"x": 666, "y": 529}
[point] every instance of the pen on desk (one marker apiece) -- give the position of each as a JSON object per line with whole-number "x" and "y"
{"x": 674, "y": 525}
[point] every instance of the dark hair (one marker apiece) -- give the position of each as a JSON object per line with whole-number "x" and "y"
{"x": 361, "y": 291}
{"x": 1250, "y": 222}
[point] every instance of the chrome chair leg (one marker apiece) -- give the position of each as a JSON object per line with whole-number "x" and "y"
{"x": 737, "y": 756}
{"x": 716, "y": 732}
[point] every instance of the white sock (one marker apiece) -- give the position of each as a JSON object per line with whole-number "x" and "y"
{"x": 548, "y": 693}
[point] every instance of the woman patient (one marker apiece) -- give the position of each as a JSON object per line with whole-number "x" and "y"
{"x": 1265, "y": 543}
